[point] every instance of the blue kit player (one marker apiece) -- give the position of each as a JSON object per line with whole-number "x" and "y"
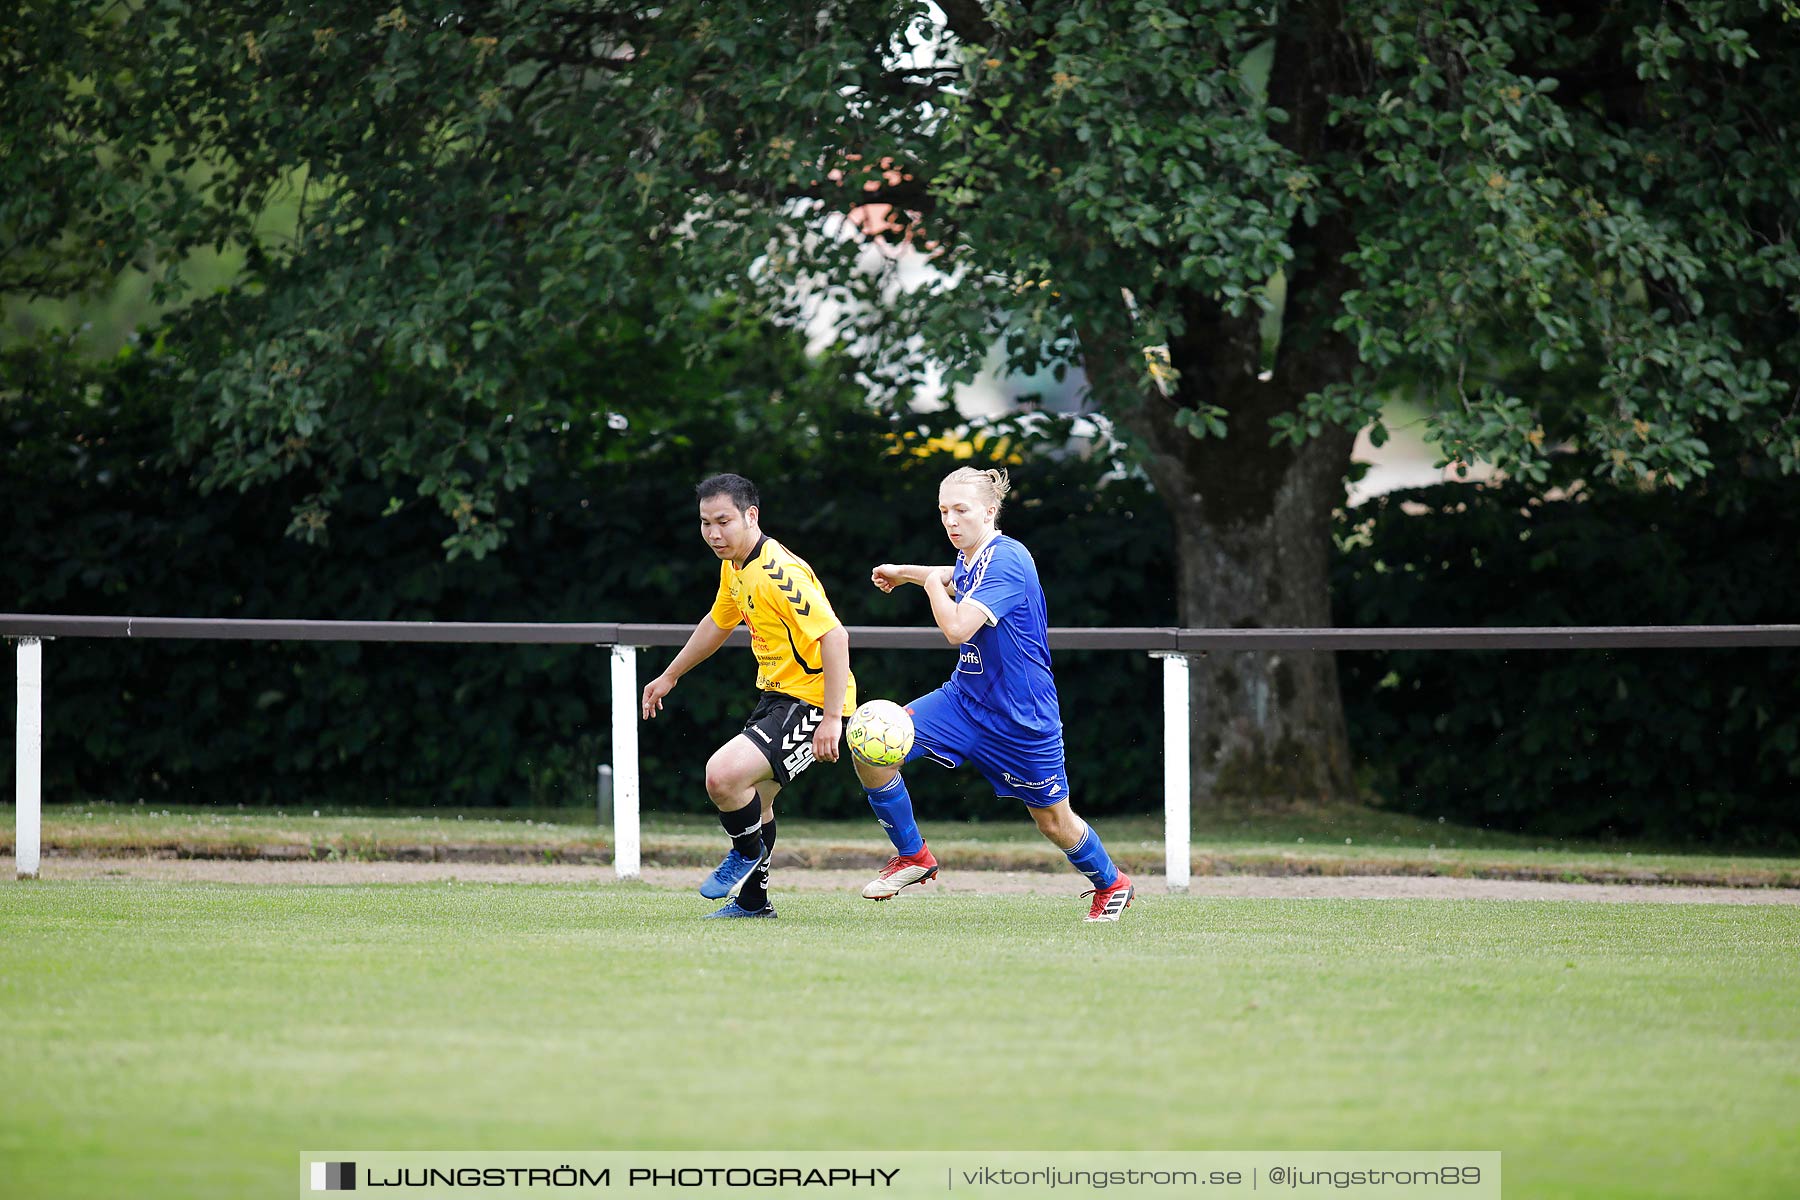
{"x": 998, "y": 713}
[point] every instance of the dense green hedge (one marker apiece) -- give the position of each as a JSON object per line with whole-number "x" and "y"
{"x": 1676, "y": 744}
{"x": 1698, "y": 744}
{"x": 99, "y": 523}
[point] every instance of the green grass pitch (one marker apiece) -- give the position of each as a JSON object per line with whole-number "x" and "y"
{"x": 187, "y": 1040}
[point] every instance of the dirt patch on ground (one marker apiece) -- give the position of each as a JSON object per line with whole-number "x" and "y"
{"x": 968, "y": 883}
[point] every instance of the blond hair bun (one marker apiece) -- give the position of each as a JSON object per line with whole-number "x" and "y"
{"x": 990, "y": 484}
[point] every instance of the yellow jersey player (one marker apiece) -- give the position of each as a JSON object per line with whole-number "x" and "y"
{"x": 802, "y": 670}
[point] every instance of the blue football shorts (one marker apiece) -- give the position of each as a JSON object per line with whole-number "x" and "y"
{"x": 1022, "y": 766}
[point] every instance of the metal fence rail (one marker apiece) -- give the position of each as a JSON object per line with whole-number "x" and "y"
{"x": 898, "y": 637}
{"x": 1172, "y": 645}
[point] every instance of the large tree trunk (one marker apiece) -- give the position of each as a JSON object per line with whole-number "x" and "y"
{"x": 1253, "y": 521}
{"x": 1253, "y": 544}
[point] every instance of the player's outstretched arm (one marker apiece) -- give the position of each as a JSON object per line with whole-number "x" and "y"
{"x": 701, "y": 645}
{"x": 889, "y": 576}
{"x": 834, "y": 648}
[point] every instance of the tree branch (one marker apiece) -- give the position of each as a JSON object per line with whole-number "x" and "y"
{"x": 968, "y": 20}
{"x": 908, "y": 196}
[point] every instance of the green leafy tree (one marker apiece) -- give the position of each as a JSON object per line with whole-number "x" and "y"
{"x": 1567, "y": 227}
{"x": 99, "y": 521}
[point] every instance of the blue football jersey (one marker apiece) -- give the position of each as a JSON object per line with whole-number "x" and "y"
{"x": 1005, "y": 668}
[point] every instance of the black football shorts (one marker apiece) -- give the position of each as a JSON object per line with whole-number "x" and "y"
{"x": 782, "y": 728}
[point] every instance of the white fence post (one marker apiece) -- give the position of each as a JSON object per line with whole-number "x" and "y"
{"x": 29, "y": 772}
{"x": 1178, "y": 858}
{"x": 626, "y": 838}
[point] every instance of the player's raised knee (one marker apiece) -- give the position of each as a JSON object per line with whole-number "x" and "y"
{"x": 1058, "y": 822}
{"x": 722, "y": 779}
{"x": 871, "y": 776}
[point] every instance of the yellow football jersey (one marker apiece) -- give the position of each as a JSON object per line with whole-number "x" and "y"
{"x": 779, "y": 598}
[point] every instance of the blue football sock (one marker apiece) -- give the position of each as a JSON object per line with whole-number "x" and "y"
{"x": 1091, "y": 859}
{"x": 893, "y": 808}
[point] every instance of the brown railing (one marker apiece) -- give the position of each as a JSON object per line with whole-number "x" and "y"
{"x": 1173, "y": 645}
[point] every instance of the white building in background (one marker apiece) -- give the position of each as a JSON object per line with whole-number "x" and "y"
{"x": 1404, "y": 461}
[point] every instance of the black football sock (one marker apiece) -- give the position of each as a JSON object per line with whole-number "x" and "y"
{"x": 755, "y": 895}
{"x": 744, "y": 828}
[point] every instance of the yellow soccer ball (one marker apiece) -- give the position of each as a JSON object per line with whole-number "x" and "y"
{"x": 880, "y": 733}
